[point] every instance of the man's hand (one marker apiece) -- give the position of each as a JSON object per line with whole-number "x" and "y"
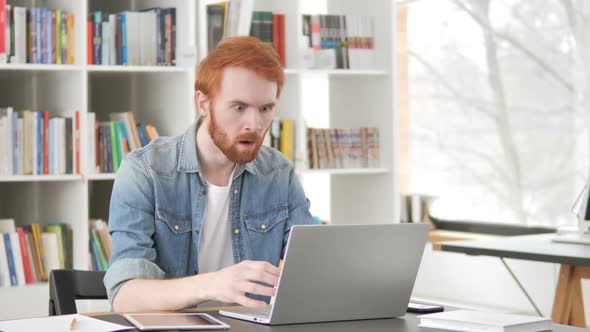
{"x": 231, "y": 284}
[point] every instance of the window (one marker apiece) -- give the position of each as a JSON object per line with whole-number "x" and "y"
{"x": 498, "y": 106}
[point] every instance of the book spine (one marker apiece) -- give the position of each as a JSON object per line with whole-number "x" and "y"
{"x": 39, "y": 143}
{"x": 25, "y": 255}
{"x": 20, "y": 35}
{"x": 57, "y": 45}
{"x": 4, "y": 270}
{"x": 101, "y": 259}
{"x": 97, "y": 41}
{"x": 173, "y": 35}
{"x": 45, "y": 142}
{"x": 18, "y": 259}
{"x": 89, "y": 42}
{"x": 105, "y": 43}
{"x": 70, "y": 39}
{"x": 15, "y": 144}
{"x": 77, "y": 141}
{"x": 3, "y": 32}
{"x": 51, "y": 146}
{"x": 43, "y": 35}
{"x": 10, "y": 259}
{"x": 168, "y": 22}
{"x": 39, "y": 251}
{"x": 114, "y": 145}
{"x": 124, "y": 39}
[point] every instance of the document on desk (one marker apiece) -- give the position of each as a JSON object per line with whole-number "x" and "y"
{"x": 476, "y": 321}
{"x": 61, "y": 324}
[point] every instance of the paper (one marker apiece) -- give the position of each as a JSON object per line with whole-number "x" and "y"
{"x": 60, "y": 324}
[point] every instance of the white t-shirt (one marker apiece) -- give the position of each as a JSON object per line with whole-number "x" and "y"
{"x": 215, "y": 248}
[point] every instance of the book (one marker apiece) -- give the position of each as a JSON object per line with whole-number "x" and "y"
{"x": 476, "y": 321}
{"x": 4, "y": 271}
{"x": 18, "y": 259}
{"x": 25, "y": 255}
{"x": 287, "y": 138}
{"x": 7, "y": 226}
{"x": 10, "y": 259}
{"x": 51, "y": 247}
{"x": 32, "y": 255}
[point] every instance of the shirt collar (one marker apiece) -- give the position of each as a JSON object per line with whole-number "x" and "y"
{"x": 187, "y": 157}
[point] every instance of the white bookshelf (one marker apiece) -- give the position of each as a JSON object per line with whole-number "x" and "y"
{"x": 350, "y": 171}
{"x": 163, "y": 96}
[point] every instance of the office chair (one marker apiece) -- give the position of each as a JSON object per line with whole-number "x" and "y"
{"x": 66, "y": 286}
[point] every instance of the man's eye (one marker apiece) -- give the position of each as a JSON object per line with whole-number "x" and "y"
{"x": 266, "y": 109}
{"x": 239, "y": 107}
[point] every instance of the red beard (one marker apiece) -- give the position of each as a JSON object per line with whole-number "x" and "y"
{"x": 242, "y": 149}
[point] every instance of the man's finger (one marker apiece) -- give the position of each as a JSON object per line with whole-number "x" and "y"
{"x": 250, "y": 303}
{"x": 254, "y": 288}
{"x": 262, "y": 276}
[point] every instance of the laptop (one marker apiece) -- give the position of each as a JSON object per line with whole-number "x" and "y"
{"x": 343, "y": 272}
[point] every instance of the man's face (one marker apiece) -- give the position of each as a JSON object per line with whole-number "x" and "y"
{"x": 241, "y": 113}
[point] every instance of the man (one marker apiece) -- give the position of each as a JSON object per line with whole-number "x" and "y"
{"x": 206, "y": 215}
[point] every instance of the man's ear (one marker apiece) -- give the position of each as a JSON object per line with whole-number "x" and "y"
{"x": 203, "y": 103}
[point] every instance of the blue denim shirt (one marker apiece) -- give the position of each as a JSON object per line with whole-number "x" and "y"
{"x": 158, "y": 202}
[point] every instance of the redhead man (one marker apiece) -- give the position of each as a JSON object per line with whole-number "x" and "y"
{"x": 205, "y": 216}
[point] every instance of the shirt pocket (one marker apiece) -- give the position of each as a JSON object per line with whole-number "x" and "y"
{"x": 266, "y": 230}
{"x": 172, "y": 241}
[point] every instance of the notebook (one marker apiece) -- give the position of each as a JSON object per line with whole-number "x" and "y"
{"x": 477, "y": 321}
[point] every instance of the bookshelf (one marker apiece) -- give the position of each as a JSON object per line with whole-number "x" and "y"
{"x": 163, "y": 96}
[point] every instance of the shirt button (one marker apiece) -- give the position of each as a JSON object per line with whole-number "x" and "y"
{"x": 236, "y": 191}
{"x": 263, "y": 226}
{"x": 237, "y": 231}
{"x": 197, "y": 231}
{"x": 176, "y": 227}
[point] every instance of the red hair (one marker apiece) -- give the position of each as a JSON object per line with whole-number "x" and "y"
{"x": 246, "y": 52}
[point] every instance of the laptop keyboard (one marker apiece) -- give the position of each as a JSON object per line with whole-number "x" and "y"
{"x": 260, "y": 313}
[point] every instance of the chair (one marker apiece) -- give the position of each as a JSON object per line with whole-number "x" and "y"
{"x": 66, "y": 286}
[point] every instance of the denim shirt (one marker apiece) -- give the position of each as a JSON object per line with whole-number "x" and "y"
{"x": 158, "y": 203}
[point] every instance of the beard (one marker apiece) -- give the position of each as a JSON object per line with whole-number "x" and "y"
{"x": 249, "y": 143}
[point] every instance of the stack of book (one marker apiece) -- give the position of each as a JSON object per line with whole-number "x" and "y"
{"x": 339, "y": 41}
{"x": 36, "y": 35}
{"x": 33, "y": 143}
{"x": 270, "y": 28}
{"x": 237, "y": 18}
{"x": 27, "y": 255}
{"x": 343, "y": 148}
{"x": 110, "y": 141}
{"x": 100, "y": 245}
{"x": 281, "y": 136}
{"x": 145, "y": 38}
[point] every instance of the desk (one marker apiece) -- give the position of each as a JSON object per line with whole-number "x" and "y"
{"x": 568, "y": 305}
{"x": 407, "y": 324}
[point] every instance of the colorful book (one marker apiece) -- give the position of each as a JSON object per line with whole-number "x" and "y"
{"x": 10, "y": 259}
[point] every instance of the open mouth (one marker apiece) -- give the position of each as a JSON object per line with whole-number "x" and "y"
{"x": 247, "y": 143}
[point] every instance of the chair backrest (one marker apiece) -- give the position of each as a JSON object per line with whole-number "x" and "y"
{"x": 66, "y": 286}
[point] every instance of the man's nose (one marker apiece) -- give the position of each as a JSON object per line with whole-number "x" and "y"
{"x": 252, "y": 120}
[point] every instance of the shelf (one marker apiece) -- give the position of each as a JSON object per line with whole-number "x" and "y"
{"x": 101, "y": 176}
{"x": 38, "y": 67}
{"x": 24, "y": 301}
{"x": 347, "y": 171}
{"x": 40, "y": 178}
{"x": 38, "y": 285}
{"x": 336, "y": 72}
{"x": 135, "y": 69}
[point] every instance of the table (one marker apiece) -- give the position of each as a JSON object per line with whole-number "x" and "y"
{"x": 406, "y": 324}
{"x": 568, "y": 304}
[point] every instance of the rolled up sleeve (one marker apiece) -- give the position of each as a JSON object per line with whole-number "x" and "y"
{"x": 132, "y": 226}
